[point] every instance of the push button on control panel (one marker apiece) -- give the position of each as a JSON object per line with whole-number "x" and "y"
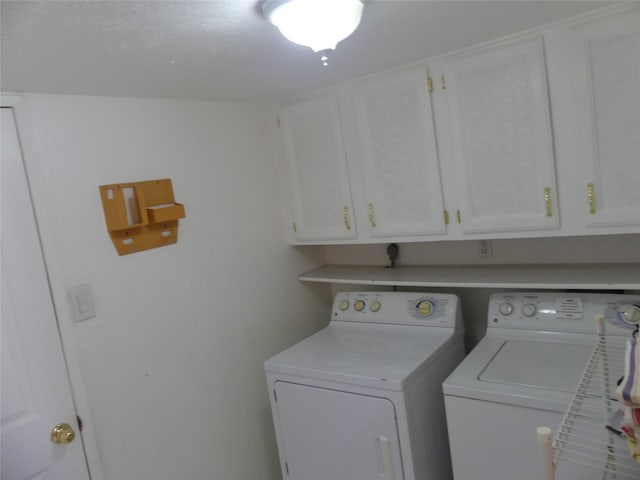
{"x": 425, "y": 307}
{"x": 359, "y": 305}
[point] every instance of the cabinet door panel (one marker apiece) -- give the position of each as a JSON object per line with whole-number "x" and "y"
{"x": 610, "y": 68}
{"x": 500, "y": 138}
{"x": 399, "y": 156}
{"x": 314, "y": 149}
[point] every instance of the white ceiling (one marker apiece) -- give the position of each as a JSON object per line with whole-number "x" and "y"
{"x": 224, "y": 49}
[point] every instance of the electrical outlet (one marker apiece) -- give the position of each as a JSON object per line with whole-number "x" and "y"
{"x": 485, "y": 249}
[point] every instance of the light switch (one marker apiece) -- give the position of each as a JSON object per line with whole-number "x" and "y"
{"x": 81, "y": 301}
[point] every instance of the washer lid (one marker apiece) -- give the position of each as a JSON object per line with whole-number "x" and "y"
{"x": 374, "y": 355}
{"x": 554, "y": 366}
{"x": 529, "y": 369}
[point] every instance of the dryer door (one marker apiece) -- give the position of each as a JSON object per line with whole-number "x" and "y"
{"x": 331, "y": 434}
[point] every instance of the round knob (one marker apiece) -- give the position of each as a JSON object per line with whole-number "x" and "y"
{"x": 62, "y": 434}
{"x": 529, "y": 309}
{"x": 425, "y": 307}
{"x": 359, "y": 305}
{"x": 375, "y": 306}
{"x": 505, "y": 308}
{"x": 343, "y": 305}
{"x": 629, "y": 313}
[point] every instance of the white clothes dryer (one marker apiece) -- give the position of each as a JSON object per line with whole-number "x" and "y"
{"x": 362, "y": 398}
{"x": 519, "y": 377}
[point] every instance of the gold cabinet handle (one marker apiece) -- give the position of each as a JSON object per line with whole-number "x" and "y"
{"x": 372, "y": 217}
{"x": 592, "y": 198}
{"x": 547, "y": 202}
{"x": 62, "y": 434}
{"x": 345, "y": 214}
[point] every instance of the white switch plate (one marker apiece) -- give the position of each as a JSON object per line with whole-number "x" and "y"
{"x": 81, "y": 300}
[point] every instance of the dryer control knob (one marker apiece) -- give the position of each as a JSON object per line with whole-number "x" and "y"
{"x": 343, "y": 305}
{"x": 629, "y": 313}
{"x": 505, "y": 308}
{"x": 529, "y": 309}
{"x": 359, "y": 305}
{"x": 425, "y": 307}
{"x": 375, "y": 306}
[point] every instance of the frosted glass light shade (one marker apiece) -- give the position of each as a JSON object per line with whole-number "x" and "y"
{"x": 319, "y": 24}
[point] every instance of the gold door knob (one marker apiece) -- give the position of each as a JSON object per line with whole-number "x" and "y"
{"x": 62, "y": 434}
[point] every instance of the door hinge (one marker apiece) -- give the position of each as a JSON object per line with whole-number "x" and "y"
{"x": 443, "y": 81}
{"x": 459, "y": 216}
{"x": 80, "y": 424}
{"x": 278, "y": 121}
{"x": 430, "y": 84}
{"x": 446, "y": 217}
{"x": 286, "y": 467}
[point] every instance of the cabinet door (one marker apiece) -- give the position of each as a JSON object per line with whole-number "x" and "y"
{"x": 500, "y": 138}
{"x": 399, "y": 156}
{"x": 606, "y": 81}
{"x": 327, "y": 434}
{"x": 314, "y": 150}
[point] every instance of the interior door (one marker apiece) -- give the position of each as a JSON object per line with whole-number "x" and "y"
{"x": 327, "y": 434}
{"x": 35, "y": 391}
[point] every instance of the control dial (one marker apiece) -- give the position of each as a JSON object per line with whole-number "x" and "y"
{"x": 424, "y": 308}
{"x": 505, "y": 308}
{"x": 359, "y": 305}
{"x": 629, "y": 314}
{"x": 375, "y": 306}
{"x": 529, "y": 309}
{"x": 343, "y": 305}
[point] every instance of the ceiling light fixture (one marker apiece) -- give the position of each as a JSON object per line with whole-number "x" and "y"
{"x": 318, "y": 24}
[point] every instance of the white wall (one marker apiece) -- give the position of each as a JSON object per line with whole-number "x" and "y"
{"x": 172, "y": 363}
{"x": 553, "y": 250}
{"x": 525, "y": 251}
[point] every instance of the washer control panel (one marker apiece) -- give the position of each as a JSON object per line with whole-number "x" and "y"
{"x": 562, "y": 311}
{"x": 408, "y": 308}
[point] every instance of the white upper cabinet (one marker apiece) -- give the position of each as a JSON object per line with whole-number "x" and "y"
{"x": 536, "y": 135}
{"x": 605, "y": 56}
{"x": 399, "y": 159}
{"x": 313, "y": 147}
{"x": 499, "y": 138}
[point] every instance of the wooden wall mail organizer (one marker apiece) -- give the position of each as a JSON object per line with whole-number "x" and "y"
{"x": 141, "y": 215}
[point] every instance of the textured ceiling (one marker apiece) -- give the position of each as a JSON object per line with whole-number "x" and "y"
{"x": 224, "y": 49}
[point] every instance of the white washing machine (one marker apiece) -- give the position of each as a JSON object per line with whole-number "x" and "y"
{"x": 362, "y": 398}
{"x": 521, "y": 376}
